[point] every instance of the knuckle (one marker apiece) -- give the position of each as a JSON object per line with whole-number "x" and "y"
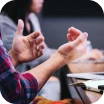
{"x": 71, "y": 46}
{"x": 80, "y": 40}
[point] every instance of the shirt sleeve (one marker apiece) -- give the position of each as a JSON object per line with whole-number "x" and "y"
{"x": 15, "y": 87}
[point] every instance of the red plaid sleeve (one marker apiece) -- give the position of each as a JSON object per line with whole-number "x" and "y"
{"x": 15, "y": 87}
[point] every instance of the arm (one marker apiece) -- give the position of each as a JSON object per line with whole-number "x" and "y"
{"x": 56, "y": 61}
{"x": 15, "y": 87}
{"x": 65, "y": 54}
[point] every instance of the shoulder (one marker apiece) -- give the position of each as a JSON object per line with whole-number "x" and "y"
{"x": 7, "y": 22}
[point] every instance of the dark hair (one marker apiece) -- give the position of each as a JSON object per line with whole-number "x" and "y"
{"x": 17, "y": 9}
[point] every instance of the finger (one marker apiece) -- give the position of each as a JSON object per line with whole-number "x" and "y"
{"x": 33, "y": 35}
{"x": 71, "y": 37}
{"x": 40, "y": 53}
{"x": 39, "y": 40}
{"x": 20, "y": 27}
{"x": 39, "y": 49}
{"x": 75, "y": 36}
{"x": 74, "y": 31}
{"x": 40, "y": 46}
{"x": 81, "y": 39}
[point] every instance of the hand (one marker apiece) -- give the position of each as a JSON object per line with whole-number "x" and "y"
{"x": 26, "y": 48}
{"x": 76, "y": 47}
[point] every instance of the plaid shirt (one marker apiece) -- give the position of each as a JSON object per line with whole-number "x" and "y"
{"x": 15, "y": 87}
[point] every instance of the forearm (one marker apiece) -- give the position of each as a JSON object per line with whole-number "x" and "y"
{"x": 46, "y": 69}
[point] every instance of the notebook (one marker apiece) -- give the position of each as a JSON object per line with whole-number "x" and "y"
{"x": 91, "y": 85}
{"x": 96, "y": 82}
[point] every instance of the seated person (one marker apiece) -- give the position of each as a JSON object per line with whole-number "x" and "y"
{"x": 25, "y": 86}
{"x": 16, "y": 87}
{"x": 27, "y": 10}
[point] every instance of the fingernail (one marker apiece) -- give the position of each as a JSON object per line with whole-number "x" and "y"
{"x": 85, "y": 34}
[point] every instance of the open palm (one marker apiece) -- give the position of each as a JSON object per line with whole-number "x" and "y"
{"x": 76, "y": 47}
{"x": 27, "y": 48}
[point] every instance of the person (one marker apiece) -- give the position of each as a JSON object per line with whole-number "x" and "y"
{"x": 27, "y": 10}
{"x": 15, "y": 87}
{"x": 25, "y": 86}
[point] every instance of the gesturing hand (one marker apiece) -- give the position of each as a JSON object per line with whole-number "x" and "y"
{"x": 26, "y": 48}
{"x": 76, "y": 46}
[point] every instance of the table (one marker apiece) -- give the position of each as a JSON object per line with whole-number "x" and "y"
{"x": 87, "y": 97}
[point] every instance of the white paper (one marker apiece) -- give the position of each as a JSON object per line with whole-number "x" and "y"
{"x": 94, "y": 83}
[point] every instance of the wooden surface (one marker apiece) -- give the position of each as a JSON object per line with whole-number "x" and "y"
{"x": 87, "y": 97}
{"x": 93, "y": 96}
{"x": 77, "y": 92}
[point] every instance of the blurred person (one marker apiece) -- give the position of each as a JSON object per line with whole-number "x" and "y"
{"x": 15, "y": 87}
{"x": 25, "y": 86}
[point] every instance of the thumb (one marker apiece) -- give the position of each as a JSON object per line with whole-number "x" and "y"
{"x": 81, "y": 38}
{"x": 20, "y": 27}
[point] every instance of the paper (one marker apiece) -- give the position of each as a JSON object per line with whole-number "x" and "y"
{"x": 94, "y": 83}
{"x": 91, "y": 85}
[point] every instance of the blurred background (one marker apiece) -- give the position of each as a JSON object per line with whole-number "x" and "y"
{"x": 58, "y": 15}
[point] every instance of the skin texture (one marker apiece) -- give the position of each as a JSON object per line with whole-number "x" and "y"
{"x": 26, "y": 48}
{"x": 65, "y": 54}
{"x": 94, "y": 54}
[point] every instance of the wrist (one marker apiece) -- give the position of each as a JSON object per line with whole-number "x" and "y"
{"x": 63, "y": 57}
{"x": 59, "y": 58}
{"x": 13, "y": 57}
